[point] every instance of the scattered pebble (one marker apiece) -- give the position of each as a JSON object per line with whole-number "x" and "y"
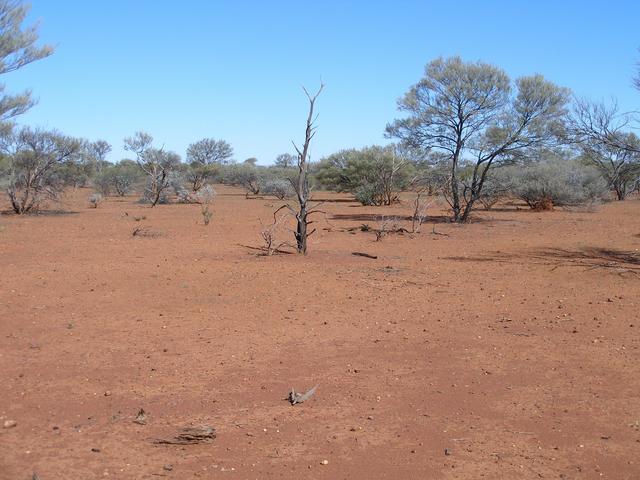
{"x": 324, "y": 462}
{"x": 9, "y": 424}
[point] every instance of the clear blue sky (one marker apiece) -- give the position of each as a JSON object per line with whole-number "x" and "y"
{"x": 233, "y": 69}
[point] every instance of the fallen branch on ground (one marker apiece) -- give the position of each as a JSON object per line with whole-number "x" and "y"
{"x": 362, "y": 254}
{"x": 295, "y": 397}
{"x": 190, "y": 436}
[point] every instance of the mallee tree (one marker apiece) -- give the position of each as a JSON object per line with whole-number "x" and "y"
{"x": 472, "y": 113}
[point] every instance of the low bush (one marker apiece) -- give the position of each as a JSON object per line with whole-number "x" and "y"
{"x": 95, "y": 199}
{"x": 375, "y": 175}
{"x": 279, "y": 188}
{"x": 546, "y": 184}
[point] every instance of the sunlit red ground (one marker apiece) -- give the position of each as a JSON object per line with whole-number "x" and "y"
{"x": 512, "y": 342}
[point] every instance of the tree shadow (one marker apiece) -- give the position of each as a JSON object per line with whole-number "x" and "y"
{"x": 589, "y": 258}
{"x": 41, "y": 213}
{"x": 334, "y": 200}
{"x": 375, "y": 217}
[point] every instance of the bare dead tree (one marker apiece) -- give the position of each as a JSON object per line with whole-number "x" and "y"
{"x": 301, "y": 184}
{"x": 598, "y": 123}
{"x": 420, "y": 207}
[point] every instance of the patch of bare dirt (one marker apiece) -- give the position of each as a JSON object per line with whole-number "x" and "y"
{"x": 507, "y": 348}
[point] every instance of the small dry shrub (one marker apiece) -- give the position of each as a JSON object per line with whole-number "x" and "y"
{"x": 206, "y": 214}
{"x": 95, "y": 199}
{"x": 270, "y": 236}
{"x": 542, "y": 205}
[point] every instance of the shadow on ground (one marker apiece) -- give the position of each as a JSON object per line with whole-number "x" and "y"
{"x": 374, "y": 217}
{"x": 589, "y": 258}
{"x": 42, "y": 213}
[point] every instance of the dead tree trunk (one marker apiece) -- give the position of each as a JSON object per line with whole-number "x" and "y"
{"x": 302, "y": 185}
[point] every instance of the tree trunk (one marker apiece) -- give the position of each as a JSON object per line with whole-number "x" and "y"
{"x": 455, "y": 194}
{"x": 302, "y": 187}
{"x": 301, "y": 230}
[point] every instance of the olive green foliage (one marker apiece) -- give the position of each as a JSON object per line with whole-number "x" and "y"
{"x": 472, "y": 111}
{"x": 258, "y": 179}
{"x": 32, "y": 160}
{"x": 17, "y": 49}
{"x": 618, "y": 162}
{"x": 159, "y": 166}
{"x": 119, "y": 179}
{"x": 205, "y": 159}
{"x": 286, "y": 160}
{"x": 375, "y": 175}
{"x": 556, "y": 182}
{"x": 246, "y": 175}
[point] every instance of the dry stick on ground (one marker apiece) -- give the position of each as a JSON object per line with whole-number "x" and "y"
{"x": 433, "y": 232}
{"x": 144, "y": 232}
{"x": 365, "y": 255}
{"x": 190, "y": 436}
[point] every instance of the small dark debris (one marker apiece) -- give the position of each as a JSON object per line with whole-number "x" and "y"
{"x": 190, "y": 436}
{"x": 365, "y": 255}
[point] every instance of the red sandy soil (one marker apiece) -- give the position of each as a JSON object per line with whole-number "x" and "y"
{"x": 512, "y": 342}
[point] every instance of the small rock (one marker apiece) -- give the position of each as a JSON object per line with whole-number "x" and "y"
{"x": 107, "y": 393}
{"x": 324, "y": 462}
{"x": 447, "y": 451}
{"x": 168, "y": 467}
{"x": 9, "y": 424}
{"x": 95, "y": 450}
